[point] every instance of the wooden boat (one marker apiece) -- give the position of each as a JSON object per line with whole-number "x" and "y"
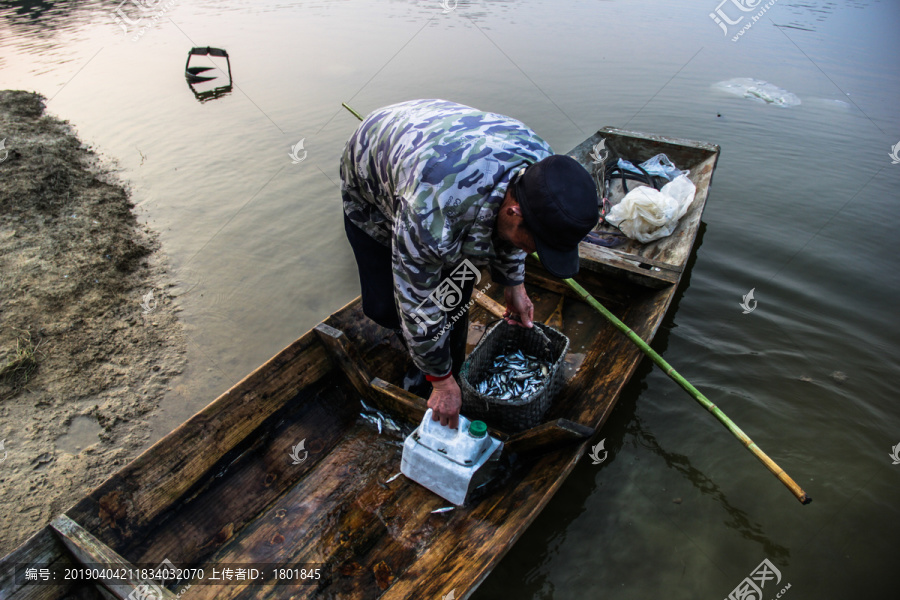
{"x": 235, "y": 486}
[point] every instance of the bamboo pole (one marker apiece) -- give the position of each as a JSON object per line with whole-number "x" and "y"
{"x": 770, "y": 464}
{"x": 355, "y": 114}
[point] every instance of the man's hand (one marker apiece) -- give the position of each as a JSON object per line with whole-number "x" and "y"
{"x": 445, "y": 402}
{"x": 519, "y": 309}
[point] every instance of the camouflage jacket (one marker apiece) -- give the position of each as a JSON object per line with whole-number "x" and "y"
{"x": 427, "y": 178}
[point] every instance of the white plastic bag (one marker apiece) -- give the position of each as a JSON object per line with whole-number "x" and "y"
{"x": 646, "y": 214}
{"x": 658, "y": 165}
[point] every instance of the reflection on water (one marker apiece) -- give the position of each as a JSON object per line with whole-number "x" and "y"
{"x": 807, "y": 16}
{"x": 35, "y": 26}
{"x": 26, "y": 16}
{"x": 739, "y": 520}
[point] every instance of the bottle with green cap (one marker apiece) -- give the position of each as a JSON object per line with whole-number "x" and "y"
{"x": 477, "y": 429}
{"x": 450, "y": 462}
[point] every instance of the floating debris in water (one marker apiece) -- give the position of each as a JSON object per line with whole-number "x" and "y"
{"x": 839, "y": 376}
{"x": 758, "y": 91}
{"x": 393, "y": 477}
{"x": 443, "y": 510}
{"x": 514, "y": 375}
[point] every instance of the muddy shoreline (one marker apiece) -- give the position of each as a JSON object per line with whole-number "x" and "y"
{"x": 89, "y": 337}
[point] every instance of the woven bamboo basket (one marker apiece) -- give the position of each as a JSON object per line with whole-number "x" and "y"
{"x": 519, "y": 412}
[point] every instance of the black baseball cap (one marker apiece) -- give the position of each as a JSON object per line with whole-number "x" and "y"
{"x": 559, "y": 203}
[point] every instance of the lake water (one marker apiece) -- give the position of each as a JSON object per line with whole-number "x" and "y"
{"x": 803, "y": 211}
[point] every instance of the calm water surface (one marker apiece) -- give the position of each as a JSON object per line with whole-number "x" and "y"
{"x": 803, "y": 210}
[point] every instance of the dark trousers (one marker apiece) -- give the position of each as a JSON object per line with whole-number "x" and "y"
{"x": 376, "y": 280}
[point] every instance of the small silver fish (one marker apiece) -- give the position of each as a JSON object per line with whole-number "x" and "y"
{"x": 514, "y": 375}
{"x": 443, "y": 510}
{"x": 393, "y": 477}
{"x": 376, "y": 421}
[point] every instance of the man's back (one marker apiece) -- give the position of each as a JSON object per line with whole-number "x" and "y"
{"x": 446, "y": 163}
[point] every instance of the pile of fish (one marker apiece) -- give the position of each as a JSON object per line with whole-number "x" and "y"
{"x": 514, "y": 375}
